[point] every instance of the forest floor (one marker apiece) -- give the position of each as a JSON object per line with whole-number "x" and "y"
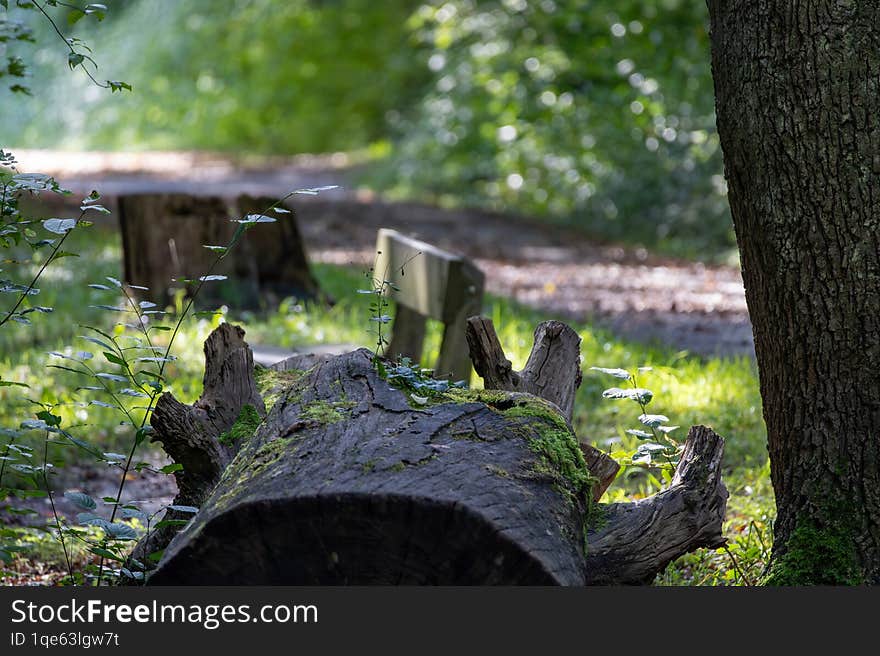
{"x": 561, "y": 272}
{"x": 689, "y": 306}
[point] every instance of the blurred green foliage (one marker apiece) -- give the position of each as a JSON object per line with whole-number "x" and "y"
{"x": 251, "y": 75}
{"x": 595, "y": 113}
{"x": 599, "y": 113}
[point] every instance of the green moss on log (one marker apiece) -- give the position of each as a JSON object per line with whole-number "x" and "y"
{"x": 554, "y": 443}
{"x": 272, "y": 384}
{"x": 245, "y": 426}
{"x": 491, "y": 398}
{"x": 324, "y": 412}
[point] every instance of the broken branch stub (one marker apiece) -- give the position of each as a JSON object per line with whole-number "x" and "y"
{"x": 552, "y": 372}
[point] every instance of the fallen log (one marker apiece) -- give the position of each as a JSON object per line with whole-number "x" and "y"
{"x": 348, "y": 480}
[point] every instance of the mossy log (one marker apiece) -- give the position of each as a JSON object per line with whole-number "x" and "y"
{"x": 348, "y": 480}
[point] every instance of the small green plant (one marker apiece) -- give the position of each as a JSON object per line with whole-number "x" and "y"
{"x": 418, "y": 381}
{"x": 17, "y": 230}
{"x": 378, "y": 309}
{"x": 380, "y": 289}
{"x": 128, "y": 378}
{"x": 403, "y": 373}
{"x": 657, "y": 449}
{"x": 79, "y": 54}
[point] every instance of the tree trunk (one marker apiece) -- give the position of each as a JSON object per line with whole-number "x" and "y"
{"x": 348, "y": 481}
{"x": 279, "y": 254}
{"x": 798, "y": 101}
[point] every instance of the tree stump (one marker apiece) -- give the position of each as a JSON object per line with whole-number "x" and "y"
{"x": 348, "y": 480}
{"x": 164, "y": 238}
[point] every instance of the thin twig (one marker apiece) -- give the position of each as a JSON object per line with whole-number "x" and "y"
{"x": 48, "y": 261}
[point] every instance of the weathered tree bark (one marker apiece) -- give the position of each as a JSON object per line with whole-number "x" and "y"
{"x": 553, "y": 372}
{"x": 798, "y": 103}
{"x": 189, "y": 434}
{"x": 163, "y": 238}
{"x": 346, "y": 482}
{"x": 279, "y": 254}
{"x": 634, "y": 538}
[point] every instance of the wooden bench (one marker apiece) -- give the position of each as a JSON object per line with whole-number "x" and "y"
{"x": 431, "y": 284}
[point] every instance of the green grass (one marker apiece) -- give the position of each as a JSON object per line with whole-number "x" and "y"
{"x": 721, "y": 393}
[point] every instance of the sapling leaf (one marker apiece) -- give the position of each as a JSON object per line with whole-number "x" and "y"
{"x": 637, "y": 394}
{"x": 128, "y": 513}
{"x": 115, "y": 359}
{"x": 74, "y": 59}
{"x": 185, "y": 509}
{"x": 623, "y": 374}
{"x": 131, "y": 392}
{"x": 653, "y": 420}
{"x": 120, "y": 531}
{"x": 106, "y": 553}
{"x": 110, "y": 308}
{"x": 49, "y": 418}
{"x": 34, "y": 424}
{"x": 59, "y": 226}
{"x": 651, "y": 447}
{"x": 82, "y": 500}
{"x": 113, "y": 377}
{"x": 257, "y": 218}
{"x": 96, "y": 208}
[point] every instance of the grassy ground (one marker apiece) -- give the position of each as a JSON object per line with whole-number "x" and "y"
{"x": 722, "y": 393}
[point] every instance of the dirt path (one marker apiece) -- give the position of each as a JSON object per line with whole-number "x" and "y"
{"x": 688, "y": 306}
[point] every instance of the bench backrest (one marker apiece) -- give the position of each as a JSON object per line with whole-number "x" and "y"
{"x": 432, "y": 283}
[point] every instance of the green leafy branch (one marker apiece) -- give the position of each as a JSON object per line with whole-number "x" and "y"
{"x": 654, "y": 434}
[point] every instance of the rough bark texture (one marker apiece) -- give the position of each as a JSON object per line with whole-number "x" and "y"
{"x": 798, "y": 102}
{"x": 345, "y": 482}
{"x": 635, "y": 541}
{"x": 189, "y": 434}
{"x": 553, "y": 372}
{"x": 163, "y": 238}
{"x": 279, "y": 254}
